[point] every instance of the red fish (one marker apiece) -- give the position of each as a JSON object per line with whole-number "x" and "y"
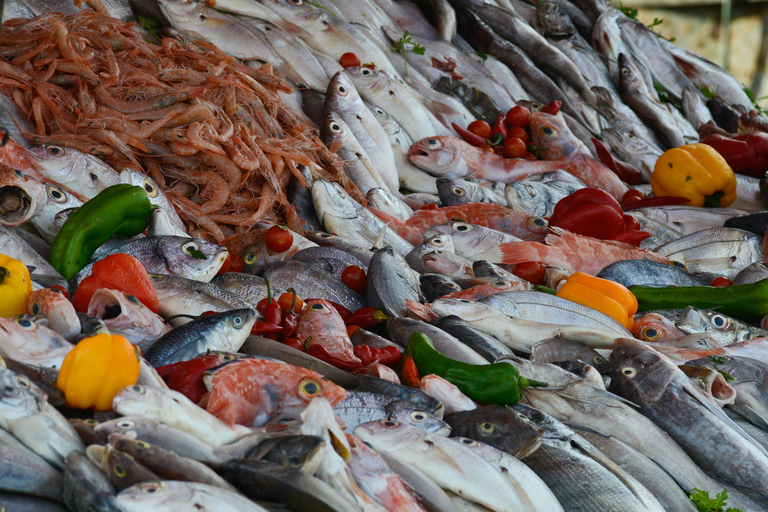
{"x": 321, "y": 324}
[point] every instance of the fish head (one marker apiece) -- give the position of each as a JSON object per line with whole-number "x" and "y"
{"x": 122, "y": 311}
{"x": 497, "y": 426}
{"x": 625, "y": 143}
{"x": 183, "y": 11}
{"x": 81, "y": 173}
{"x": 640, "y": 373}
{"x": 454, "y": 191}
{"x": 364, "y": 77}
{"x": 382, "y": 433}
{"x": 407, "y": 412}
{"x": 56, "y": 308}
{"x": 165, "y": 495}
{"x": 24, "y": 330}
{"x": 342, "y": 96}
{"x": 299, "y": 452}
{"x": 466, "y": 309}
{"x": 630, "y": 75}
{"x": 322, "y": 324}
{"x": 438, "y": 155}
{"x": 530, "y": 197}
{"x": 154, "y": 193}
{"x": 550, "y": 131}
{"x": 554, "y": 21}
{"x": 21, "y": 197}
{"x": 299, "y": 12}
{"x": 386, "y": 121}
{"x": 19, "y": 397}
{"x": 56, "y": 200}
{"x": 438, "y": 241}
{"x": 192, "y": 258}
{"x": 161, "y": 223}
{"x": 654, "y": 327}
{"x": 128, "y": 425}
{"x": 319, "y": 419}
{"x": 447, "y": 263}
{"x": 334, "y": 128}
{"x": 140, "y": 401}
{"x": 712, "y": 382}
{"x": 332, "y": 201}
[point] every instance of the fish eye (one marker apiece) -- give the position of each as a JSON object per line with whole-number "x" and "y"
{"x": 462, "y": 227}
{"x": 19, "y": 173}
{"x": 296, "y": 2}
{"x": 56, "y": 194}
{"x": 156, "y": 277}
{"x": 389, "y": 424}
{"x": 598, "y": 360}
{"x": 340, "y": 190}
{"x": 486, "y": 427}
{"x": 341, "y": 90}
{"x": 377, "y": 109}
{"x": 151, "y": 487}
{"x": 465, "y": 301}
{"x": 334, "y": 127}
{"x": 650, "y": 333}
{"x": 249, "y": 258}
{"x": 56, "y": 150}
{"x": 458, "y": 191}
{"x": 467, "y": 441}
{"x": 310, "y": 388}
{"x": 317, "y": 307}
{"x": 628, "y": 371}
{"x": 720, "y": 321}
{"x": 368, "y": 72}
{"x": 418, "y": 416}
{"x": 150, "y": 188}
{"x": 437, "y": 242}
{"x": 433, "y": 143}
{"x": 500, "y": 284}
{"x": 548, "y": 131}
{"x": 536, "y": 106}
{"x": 141, "y": 444}
{"x": 125, "y": 424}
{"x": 119, "y": 471}
{"x": 624, "y": 71}
{"x": 538, "y": 222}
{"x": 677, "y": 264}
{"x": 132, "y": 299}
{"x": 23, "y": 382}
{"x": 228, "y": 357}
{"x": 189, "y": 247}
{"x": 238, "y": 321}
{"x": 139, "y": 389}
{"x": 629, "y": 135}
{"x": 294, "y": 462}
{"x": 25, "y": 324}
{"x": 531, "y": 191}
{"x": 91, "y": 421}
{"x": 35, "y": 308}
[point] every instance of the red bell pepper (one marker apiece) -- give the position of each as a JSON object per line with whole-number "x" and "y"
{"x": 590, "y": 212}
{"x": 268, "y": 330}
{"x": 651, "y": 202}
{"x": 187, "y": 377}
{"x": 746, "y": 153}
{"x": 118, "y": 272}
{"x": 626, "y": 173}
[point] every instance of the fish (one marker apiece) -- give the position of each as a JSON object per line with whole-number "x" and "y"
{"x": 723, "y": 328}
{"x": 390, "y": 282}
{"x": 561, "y": 349}
{"x": 446, "y": 263}
{"x": 649, "y": 273}
{"x": 251, "y": 391}
{"x": 538, "y": 194}
{"x": 470, "y": 240}
{"x": 633, "y": 150}
{"x": 319, "y": 252}
{"x": 456, "y": 191}
{"x": 445, "y": 156}
{"x": 383, "y": 200}
{"x": 86, "y": 487}
{"x": 340, "y": 214}
{"x": 431, "y": 496}
{"x": 21, "y": 197}
{"x": 155, "y": 195}
{"x": 452, "y": 398}
{"x": 80, "y": 173}
{"x": 400, "y": 330}
{"x": 361, "y": 407}
{"x": 177, "y": 296}
{"x": 724, "y": 251}
{"x": 650, "y": 379}
{"x": 434, "y": 286}
{"x": 221, "y": 331}
{"x": 126, "y": 315}
{"x": 56, "y": 200}
{"x": 436, "y": 242}
{"x": 452, "y": 466}
{"x": 31, "y": 342}
{"x": 655, "y": 327}
{"x": 170, "y": 495}
{"x": 25, "y": 471}
{"x": 487, "y": 346}
{"x": 376, "y": 479}
{"x": 14, "y": 245}
{"x": 519, "y": 224}
{"x": 688, "y": 220}
{"x": 319, "y": 324}
{"x": 57, "y": 310}
{"x": 711, "y": 382}
{"x": 121, "y": 469}
{"x": 304, "y": 453}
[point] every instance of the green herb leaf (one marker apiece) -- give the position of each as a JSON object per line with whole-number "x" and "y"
{"x": 656, "y": 21}
{"x": 150, "y": 26}
{"x": 483, "y": 56}
{"x": 320, "y": 6}
{"x": 707, "y": 92}
{"x": 197, "y": 254}
{"x": 751, "y": 96}
{"x": 406, "y": 44}
{"x": 629, "y": 12}
{"x": 706, "y": 504}
{"x": 717, "y": 359}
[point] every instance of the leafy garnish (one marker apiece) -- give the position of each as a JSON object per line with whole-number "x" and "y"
{"x": 371, "y": 65}
{"x": 706, "y": 504}
{"x": 402, "y": 46}
{"x": 483, "y": 56}
{"x": 321, "y": 6}
{"x": 656, "y": 22}
{"x": 629, "y": 12}
{"x": 197, "y": 254}
{"x": 716, "y": 360}
{"x": 707, "y": 92}
{"x": 751, "y": 96}
{"x": 663, "y": 96}
{"x": 150, "y": 26}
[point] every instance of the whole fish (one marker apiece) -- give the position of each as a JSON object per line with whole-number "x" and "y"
{"x": 14, "y": 245}
{"x": 344, "y": 216}
{"x": 487, "y": 346}
{"x": 86, "y": 487}
{"x": 448, "y": 156}
{"x": 169, "y": 495}
{"x": 30, "y": 342}
{"x": 221, "y": 331}
{"x": 126, "y": 315}
{"x": 319, "y": 324}
{"x": 690, "y": 219}
{"x": 560, "y": 349}
{"x": 711, "y": 439}
{"x": 121, "y": 469}
{"x": 21, "y": 197}
{"x": 470, "y": 240}
{"x": 177, "y": 296}
{"x": 80, "y": 173}
{"x": 390, "y": 282}
{"x": 456, "y": 191}
{"x": 57, "y": 310}
{"x": 25, "y": 471}
{"x": 537, "y": 195}
{"x": 723, "y": 328}
{"x": 452, "y": 466}
{"x": 251, "y": 391}
{"x": 649, "y": 273}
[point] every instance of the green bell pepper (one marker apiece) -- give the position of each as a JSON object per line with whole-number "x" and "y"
{"x": 497, "y": 383}
{"x": 743, "y": 301}
{"x": 121, "y": 210}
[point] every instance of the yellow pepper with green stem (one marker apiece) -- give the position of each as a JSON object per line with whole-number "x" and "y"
{"x": 15, "y": 286}
{"x": 695, "y": 171}
{"x": 608, "y": 297}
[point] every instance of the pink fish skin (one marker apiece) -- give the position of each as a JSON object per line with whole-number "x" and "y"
{"x": 654, "y": 327}
{"x": 320, "y": 324}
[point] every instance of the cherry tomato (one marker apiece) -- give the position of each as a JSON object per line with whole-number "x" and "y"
{"x": 278, "y": 239}
{"x": 352, "y": 328}
{"x": 294, "y": 343}
{"x": 262, "y": 305}
{"x": 237, "y": 263}
{"x": 480, "y": 128}
{"x": 514, "y": 148}
{"x": 519, "y": 132}
{"x": 529, "y": 156}
{"x": 286, "y": 301}
{"x": 631, "y": 195}
{"x": 486, "y": 147}
{"x": 349, "y": 60}
{"x": 722, "y": 281}
{"x": 531, "y": 271}
{"x": 354, "y": 277}
{"x": 518, "y": 116}
{"x": 225, "y": 266}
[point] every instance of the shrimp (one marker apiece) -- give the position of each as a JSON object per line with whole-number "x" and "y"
{"x": 215, "y": 188}
{"x": 232, "y": 174}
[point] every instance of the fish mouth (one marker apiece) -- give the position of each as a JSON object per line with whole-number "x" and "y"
{"x": 109, "y": 307}
{"x": 16, "y": 205}
{"x": 416, "y": 151}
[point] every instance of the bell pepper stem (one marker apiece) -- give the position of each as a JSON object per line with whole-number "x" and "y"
{"x": 530, "y": 383}
{"x": 713, "y": 201}
{"x": 544, "y": 289}
{"x": 4, "y": 273}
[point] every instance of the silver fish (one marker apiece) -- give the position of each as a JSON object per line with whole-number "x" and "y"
{"x": 57, "y": 200}
{"x": 725, "y": 329}
{"x": 356, "y": 162}
{"x": 83, "y": 174}
{"x": 172, "y": 495}
{"x": 690, "y": 219}
{"x": 390, "y": 282}
{"x": 126, "y": 315}
{"x": 177, "y": 296}
{"x": 156, "y": 196}
{"x": 456, "y": 191}
{"x": 633, "y": 150}
{"x": 28, "y": 341}
{"x": 383, "y": 200}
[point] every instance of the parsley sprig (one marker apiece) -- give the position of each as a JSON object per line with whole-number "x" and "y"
{"x": 706, "y": 504}
{"x": 406, "y": 44}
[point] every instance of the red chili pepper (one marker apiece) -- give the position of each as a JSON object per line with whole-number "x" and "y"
{"x": 499, "y": 126}
{"x": 344, "y": 312}
{"x": 294, "y": 342}
{"x": 409, "y": 374}
{"x": 365, "y": 354}
{"x": 631, "y": 236}
{"x": 61, "y": 290}
{"x": 468, "y": 136}
{"x": 650, "y": 202}
{"x": 271, "y": 331}
{"x": 389, "y": 356}
{"x": 736, "y": 151}
{"x": 430, "y": 206}
{"x": 553, "y": 108}
{"x": 273, "y": 313}
{"x": 590, "y": 212}
{"x": 367, "y": 317}
{"x": 290, "y": 322}
{"x": 225, "y": 267}
{"x": 187, "y": 378}
{"x": 319, "y": 352}
{"x": 625, "y": 172}
{"x": 165, "y": 371}
{"x": 631, "y": 195}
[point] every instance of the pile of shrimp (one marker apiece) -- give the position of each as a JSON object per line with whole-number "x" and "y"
{"x": 211, "y": 131}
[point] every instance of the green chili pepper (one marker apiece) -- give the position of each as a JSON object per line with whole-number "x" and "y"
{"x": 121, "y": 210}
{"x": 743, "y": 301}
{"x": 497, "y": 383}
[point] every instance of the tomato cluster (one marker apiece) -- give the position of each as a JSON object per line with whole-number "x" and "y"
{"x": 508, "y": 137}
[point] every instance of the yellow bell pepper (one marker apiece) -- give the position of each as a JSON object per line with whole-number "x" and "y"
{"x": 15, "y": 286}
{"x": 96, "y": 370}
{"x": 608, "y": 297}
{"x": 695, "y": 171}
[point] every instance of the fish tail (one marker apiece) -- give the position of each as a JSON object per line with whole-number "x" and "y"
{"x": 421, "y": 311}
{"x": 411, "y": 234}
{"x": 523, "y": 252}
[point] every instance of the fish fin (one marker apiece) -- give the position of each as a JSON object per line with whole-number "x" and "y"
{"x": 755, "y": 417}
{"x": 421, "y": 311}
{"x": 411, "y": 234}
{"x": 379, "y": 243}
{"x": 523, "y": 252}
